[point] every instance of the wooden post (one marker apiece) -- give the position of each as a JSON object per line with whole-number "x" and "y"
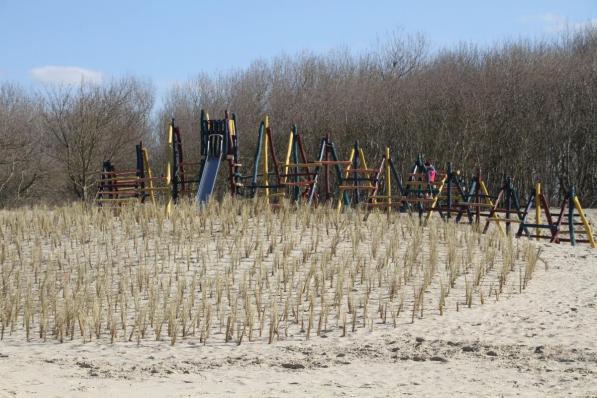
{"x": 168, "y": 173}
{"x": 388, "y": 179}
{"x": 175, "y": 165}
{"x": 449, "y": 215}
{"x": 288, "y": 153}
{"x": 149, "y": 176}
{"x": 538, "y": 208}
{"x": 509, "y": 194}
{"x": 477, "y": 198}
{"x": 586, "y": 224}
{"x": 326, "y": 168}
{"x": 346, "y": 174}
{"x": 266, "y": 158}
{"x": 571, "y": 206}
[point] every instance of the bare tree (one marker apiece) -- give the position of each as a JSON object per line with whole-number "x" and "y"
{"x": 86, "y": 124}
{"x": 19, "y": 144}
{"x": 522, "y": 108}
{"x": 527, "y": 109}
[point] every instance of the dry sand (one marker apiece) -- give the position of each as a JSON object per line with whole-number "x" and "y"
{"x": 541, "y": 342}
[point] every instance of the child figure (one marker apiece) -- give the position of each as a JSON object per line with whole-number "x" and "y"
{"x": 430, "y": 170}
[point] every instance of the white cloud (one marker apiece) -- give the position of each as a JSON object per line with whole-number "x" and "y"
{"x": 554, "y": 23}
{"x": 591, "y": 23}
{"x": 65, "y": 75}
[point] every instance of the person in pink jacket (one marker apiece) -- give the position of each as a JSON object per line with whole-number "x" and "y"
{"x": 430, "y": 170}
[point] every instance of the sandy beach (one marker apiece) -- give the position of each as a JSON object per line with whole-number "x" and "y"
{"x": 538, "y": 342}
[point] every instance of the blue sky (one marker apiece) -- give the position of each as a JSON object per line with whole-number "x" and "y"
{"x": 169, "y": 41}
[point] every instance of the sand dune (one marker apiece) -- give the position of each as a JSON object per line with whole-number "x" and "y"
{"x": 538, "y": 342}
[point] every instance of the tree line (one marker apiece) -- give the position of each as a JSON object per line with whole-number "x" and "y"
{"x": 524, "y": 108}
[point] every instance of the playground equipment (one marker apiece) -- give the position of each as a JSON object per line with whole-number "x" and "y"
{"x": 328, "y": 178}
{"x": 384, "y": 198}
{"x": 359, "y": 183}
{"x": 328, "y": 159}
{"x": 421, "y": 191}
{"x": 567, "y": 217}
{"x": 182, "y": 182}
{"x": 265, "y": 174}
{"x": 476, "y": 198}
{"x": 507, "y": 203}
{"x": 219, "y": 141}
{"x": 119, "y": 187}
{"x": 298, "y": 173}
{"x": 297, "y": 178}
{"x": 478, "y": 202}
{"x": 450, "y": 196}
{"x": 446, "y": 194}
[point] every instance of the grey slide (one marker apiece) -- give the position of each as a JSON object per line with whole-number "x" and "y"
{"x": 208, "y": 179}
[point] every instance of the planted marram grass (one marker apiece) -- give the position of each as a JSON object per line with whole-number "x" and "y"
{"x": 239, "y": 271}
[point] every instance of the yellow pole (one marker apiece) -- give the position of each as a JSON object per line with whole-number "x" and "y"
{"x": 288, "y": 153}
{"x": 232, "y": 127}
{"x": 495, "y": 216}
{"x": 148, "y": 175}
{"x": 169, "y": 161}
{"x": 265, "y": 158}
{"x": 388, "y": 178}
{"x": 586, "y": 224}
{"x": 436, "y": 198}
{"x": 362, "y": 155}
{"x": 538, "y": 208}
